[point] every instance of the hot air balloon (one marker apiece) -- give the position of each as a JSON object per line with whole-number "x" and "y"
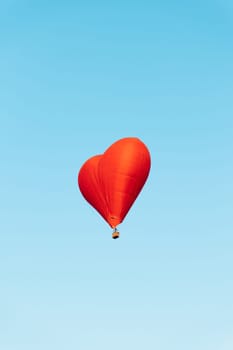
{"x": 111, "y": 182}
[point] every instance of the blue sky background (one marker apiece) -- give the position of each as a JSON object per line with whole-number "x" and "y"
{"x": 75, "y": 77}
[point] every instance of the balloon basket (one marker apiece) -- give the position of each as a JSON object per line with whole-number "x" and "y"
{"x": 115, "y": 234}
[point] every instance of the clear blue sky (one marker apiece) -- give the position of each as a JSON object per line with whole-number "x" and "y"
{"x": 76, "y": 76}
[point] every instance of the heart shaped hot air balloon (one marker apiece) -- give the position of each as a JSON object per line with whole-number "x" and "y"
{"x": 111, "y": 182}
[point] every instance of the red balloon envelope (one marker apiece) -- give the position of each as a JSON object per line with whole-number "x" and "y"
{"x": 112, "y": 181}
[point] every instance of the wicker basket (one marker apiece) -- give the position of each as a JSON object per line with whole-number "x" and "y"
{"x": 115, "y": 234}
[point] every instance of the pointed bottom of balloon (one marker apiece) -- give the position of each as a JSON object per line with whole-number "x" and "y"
{"x": 115, "y": 234}
{"x": 113, "y": 221}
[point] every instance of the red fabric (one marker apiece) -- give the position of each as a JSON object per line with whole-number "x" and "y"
{"x": 111, "y": 182}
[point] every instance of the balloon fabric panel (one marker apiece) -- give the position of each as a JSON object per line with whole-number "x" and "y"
{"x": 123, "y": 170}
{"x": 89, "y": 185}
